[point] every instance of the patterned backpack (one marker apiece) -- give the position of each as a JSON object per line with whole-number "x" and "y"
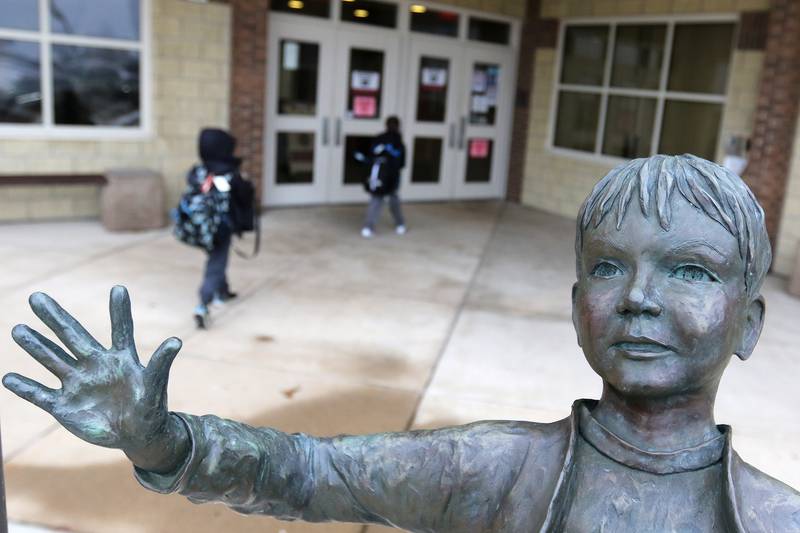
{"x": 200, "y": 211}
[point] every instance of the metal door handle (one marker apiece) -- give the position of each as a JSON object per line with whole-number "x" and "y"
{"x": 462, "y": 133}
{"x": 452, "y": 136}
{"x": 325, "y": 121}
{"x": 338, "y": 132}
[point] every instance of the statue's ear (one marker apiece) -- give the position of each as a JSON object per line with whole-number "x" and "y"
{"x": 575, "y": 313}
{"x": 751, "y": 331}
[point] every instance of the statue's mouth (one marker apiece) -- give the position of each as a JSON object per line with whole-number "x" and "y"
{"x": 642, "y": 349}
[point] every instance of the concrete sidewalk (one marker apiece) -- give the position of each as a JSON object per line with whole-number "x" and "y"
{"x": 465, "y": 318}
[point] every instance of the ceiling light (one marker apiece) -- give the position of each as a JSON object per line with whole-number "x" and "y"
{"x": 416, "y": 8}
{"x": 296, "y": 4}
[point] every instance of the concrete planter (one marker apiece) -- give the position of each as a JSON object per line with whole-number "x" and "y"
{"x": 132, "y": 200}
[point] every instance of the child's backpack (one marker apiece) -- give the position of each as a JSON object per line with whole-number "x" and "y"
{"x": 200, "y": 211}
{"x": 384, "y": 174}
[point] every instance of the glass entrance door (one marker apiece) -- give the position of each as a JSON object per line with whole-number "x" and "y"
{"x": 432, "y": 120}
{"x": 365, "y": 94}
{"x": 484, "y": 135}
{"x": 298, "y": 129}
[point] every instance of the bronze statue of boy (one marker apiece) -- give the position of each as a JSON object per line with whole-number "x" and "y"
{"x": 671, "y": 254}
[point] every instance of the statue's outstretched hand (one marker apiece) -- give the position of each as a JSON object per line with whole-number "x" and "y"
{"x": 107, "y": 397}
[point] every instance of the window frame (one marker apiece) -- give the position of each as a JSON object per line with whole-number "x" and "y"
{"x": 661, "y": 95}
{"x": 47, "y": 129}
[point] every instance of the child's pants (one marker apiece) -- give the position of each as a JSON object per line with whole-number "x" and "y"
{"x": 375, "y": 206}
{"x": 214, "y": 278}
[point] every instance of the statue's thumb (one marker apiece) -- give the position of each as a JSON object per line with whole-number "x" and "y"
{"x": 162, "y": 359}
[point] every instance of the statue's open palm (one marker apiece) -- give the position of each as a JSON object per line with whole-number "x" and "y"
{"x": 107, "y": 397}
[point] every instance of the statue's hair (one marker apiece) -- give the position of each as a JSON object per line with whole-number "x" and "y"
{"x": 714, "y": 190}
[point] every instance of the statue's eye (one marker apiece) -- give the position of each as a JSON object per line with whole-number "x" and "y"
{"x": 692, "y": 273}
{"x": 606, "y": 270}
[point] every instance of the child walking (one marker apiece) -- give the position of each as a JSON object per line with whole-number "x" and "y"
{"x": 219, "y": 170}
{"x": 389, "y": 158}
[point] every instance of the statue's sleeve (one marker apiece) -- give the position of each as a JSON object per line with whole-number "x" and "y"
{"x": 453, "y": 479}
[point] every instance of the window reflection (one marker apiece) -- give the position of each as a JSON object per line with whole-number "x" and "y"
{"x": 483, "y": 104}
{"x": 576, "y": 122}
{"x": 356, "y": 172}
{"x": 700, "y": 58}
{"x": 433, "y": 21}
{"x": 295, "y": 157}
{"x": 20, "y": 88}
{"x": 432, "y": 89}
{"x": 629, "y": 126}
{"x": 370, "y": 12}
{"x": 297, "y": 83}
{"x": 365, "y": 83}
{"x": 95, "y": 86}
{"x": 115, "y": 19}
{"x": 584, "y": 55}
{"x": 19, "y": 14}
{"x": 489, "y": 31}
{"x": 427, "y": 160}
{"x": 690, "y": 127}
{"x": 311, "y": 8}
{"x": 638, "y": 53}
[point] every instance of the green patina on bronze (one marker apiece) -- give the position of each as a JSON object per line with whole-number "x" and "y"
{"x": 671, "y": 254}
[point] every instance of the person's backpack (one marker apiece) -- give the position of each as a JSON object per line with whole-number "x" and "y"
{"x": 384, "y": 174}
{"x": 200, "y": 211}
{"x": 243, "y": 209}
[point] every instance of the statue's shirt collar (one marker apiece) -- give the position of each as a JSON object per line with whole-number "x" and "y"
{"x": 671, "y": 462}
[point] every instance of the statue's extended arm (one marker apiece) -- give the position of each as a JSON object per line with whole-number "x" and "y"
{"x": 452, "y": 479}
{"x": 444, "y": 480}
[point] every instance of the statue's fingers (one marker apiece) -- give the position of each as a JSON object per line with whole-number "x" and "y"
{"x": 161, "y": 361}
{"x": 72, "y": 334}
{"x": 48, "y": 353}
{"x": 121, "y": 320}
{"x": 27, "y": 389}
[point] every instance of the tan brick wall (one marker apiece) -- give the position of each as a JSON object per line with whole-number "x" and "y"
{"x": 558, "y": 183}
{"x": 190, "y": 89}
{"x": 788, "y": 243}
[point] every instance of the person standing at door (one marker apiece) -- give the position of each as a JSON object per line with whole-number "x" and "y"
{"x": 388, "y": 157}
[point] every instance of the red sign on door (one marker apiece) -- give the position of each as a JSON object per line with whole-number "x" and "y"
{"x": 479, "y": 148}
{"x": 365, "y": 106}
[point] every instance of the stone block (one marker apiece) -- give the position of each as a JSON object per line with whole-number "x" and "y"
{"x": 132, "y": 200}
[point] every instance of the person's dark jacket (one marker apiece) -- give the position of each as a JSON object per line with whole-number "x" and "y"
{"x": 216, "y": 148}
{"x": 389, "y": 144}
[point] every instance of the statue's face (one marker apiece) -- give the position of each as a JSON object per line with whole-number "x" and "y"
{"x": 660, "y": 312}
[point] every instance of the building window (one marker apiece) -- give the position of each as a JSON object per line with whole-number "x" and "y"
{"x": 71, "y": 70}
{"x": 628, "y": 89}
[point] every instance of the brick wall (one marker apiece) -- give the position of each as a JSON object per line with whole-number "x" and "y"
{"x": 248, "y": 83}
{"x": 776, "y": 117}
{"x": 190, "y": 52}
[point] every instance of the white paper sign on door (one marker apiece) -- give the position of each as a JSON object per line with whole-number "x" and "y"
{"x": 291, "y": 55}
{"x": 365, "y": 80}
{"x": 433, "y": 77}
{"x": 480, "y": 104}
